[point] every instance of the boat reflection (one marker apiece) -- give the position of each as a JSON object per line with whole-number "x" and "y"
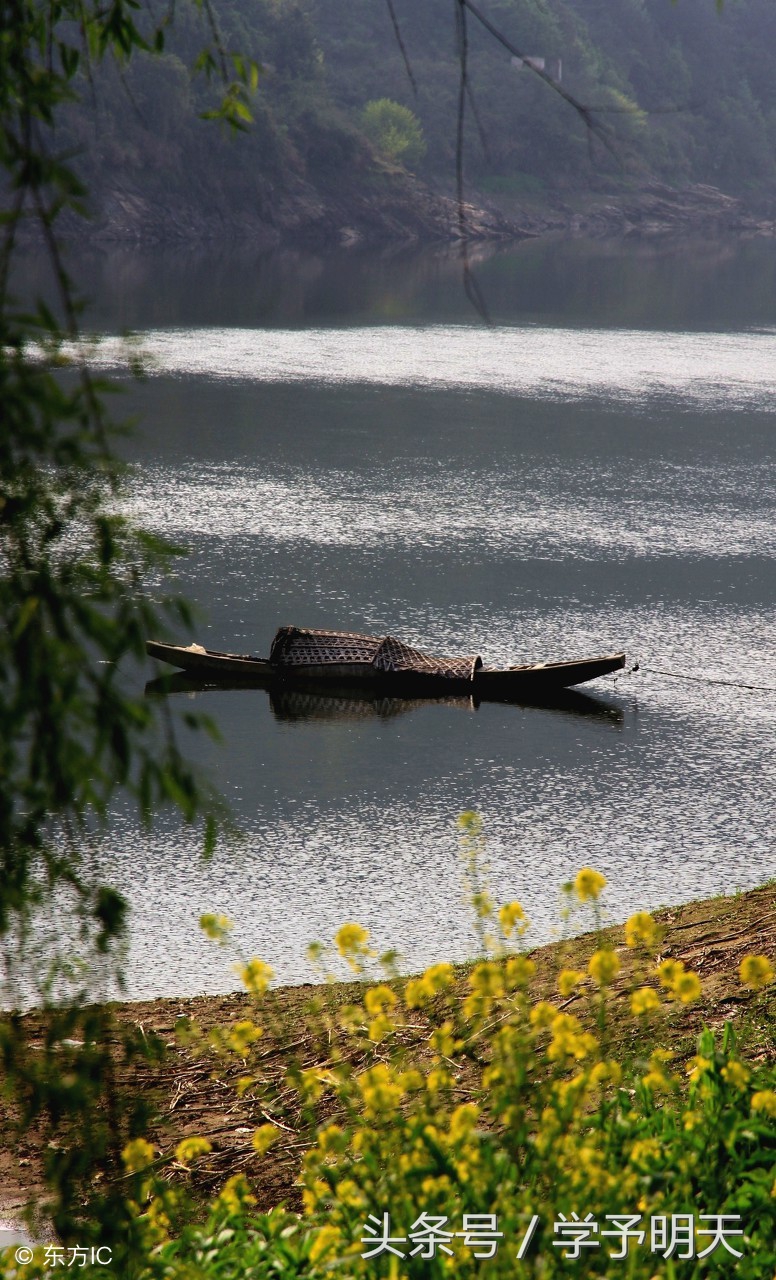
{"x": 345, "y": 703}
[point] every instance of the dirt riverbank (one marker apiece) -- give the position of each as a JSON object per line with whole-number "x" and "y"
{"x": 193, "y": 1089}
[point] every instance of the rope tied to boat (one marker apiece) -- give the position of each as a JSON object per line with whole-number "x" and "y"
{"x": 677, "y": 675}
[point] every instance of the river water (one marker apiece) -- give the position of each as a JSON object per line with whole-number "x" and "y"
{"x": 340, "y": 442}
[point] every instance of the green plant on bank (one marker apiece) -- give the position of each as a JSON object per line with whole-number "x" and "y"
{"x": 466, "y": 1125}
{"x": 395, "y": 131}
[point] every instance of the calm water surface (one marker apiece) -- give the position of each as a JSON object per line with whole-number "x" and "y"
{"x": 341, "y": 443}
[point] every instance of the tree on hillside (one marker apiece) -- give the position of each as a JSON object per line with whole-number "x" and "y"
{"x": 394, "y": 130}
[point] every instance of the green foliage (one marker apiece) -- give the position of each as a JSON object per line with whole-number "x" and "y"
{"x": 73, "y": 572}
{"x": 703, "y": 81}
{"x": 74, "y": 605}
{"x": 501, "y": 1094}
{"x": 394, "y": 131}
{"x": 137, "y": 127}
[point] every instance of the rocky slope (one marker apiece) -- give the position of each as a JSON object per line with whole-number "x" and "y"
{"x": 397, "y": 208}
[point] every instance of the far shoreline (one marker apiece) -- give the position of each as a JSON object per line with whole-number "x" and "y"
{"x": 409, "y": 214}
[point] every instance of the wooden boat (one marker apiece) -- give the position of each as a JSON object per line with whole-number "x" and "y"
{"x": 313, "y": 659}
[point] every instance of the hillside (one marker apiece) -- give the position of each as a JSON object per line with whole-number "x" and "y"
{"x": 682, "y": 95}
{"x": 686, "y": 94}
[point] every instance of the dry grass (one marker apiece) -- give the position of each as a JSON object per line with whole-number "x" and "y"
{"x": 193, "y": 1088}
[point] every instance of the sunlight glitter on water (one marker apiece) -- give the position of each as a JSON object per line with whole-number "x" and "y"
{"x": 398, "y": 872}
{"x": 384, "y": 509}
{"x": 637, "y": 515}
{"x": 738, "y": 369}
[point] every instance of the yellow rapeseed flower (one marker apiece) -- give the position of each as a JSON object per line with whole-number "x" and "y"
{"x": 519, "y": 971}
{"x": 570, "y": 1092}
{"x": 439, "y": 976}
{"x": 255, "y": 976}
{"x": 756, "y": 972}
{"x": 327, "y": 1238}
{"x": 697, "y": 1067}
{"x": 565, "y": 1024}
{"x": 604, "y": 966}
{"x": 442, "y": 1040}
{"x": 644, "y": 1152}
{"x": 137, "y": 1155}
{"x": 482, "y": 904}
{"x": 682, "y": 983}
{"x": 657, "y": 1077}
{"x": 349, "y": 1193}
{"x": 588, "y": 884}
{"x": 542, "y": 1014}
{"x": 379, "y": 1000}
{"x": 567, "y": 1039}
{"x": 314, "y": 1195}
{"x": 331, "y": 1139}
{"x": 434, "y": 1187}
{"x": 419, "y": 991}
{"x": 470, "y": 822}
{"x": 764, "y": 1100}
{"x": 242, "y": 1035}
{"x": 562, "y": 1047}
{"x": 350, "y": 1017}
{"x": 510, "y": 916}
{"x": 487, "y": 979}
{"x": 264, "y": 1137}
{"x": 668, "y": 971}
{"x": 379, "y": 1089}
{"x": 463, "y": 1121}
{"x": 157, "y": 1221}
{"x": 609, "y": 1072}
{"x": 310, "y": 1085}
{"x": 235, "y": 1195}
{"x": 216, "y": 927}
{"x": 568, "y": 979}
{"x": 438, "y": 1078}
{"x": 351, "y": 940}
{"x": 645, "y": 1000}
{"x": 190, "y": 1149}
{"x": 380, "y": 1028}
{"x": 640, "y": 930}
{"x": 687, "y": 987}
{"x": 736, "y": 1074}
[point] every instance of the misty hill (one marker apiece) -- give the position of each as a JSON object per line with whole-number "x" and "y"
{"x": 685, "y": 94}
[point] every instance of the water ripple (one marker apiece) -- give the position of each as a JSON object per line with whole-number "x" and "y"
{"x": 485, "y": 510}
{"x": 737, "y": 370}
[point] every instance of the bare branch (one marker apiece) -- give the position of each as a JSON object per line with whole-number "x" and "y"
{"x": 402, "y": 47}
{"x": 586, "y": 113}
{"x": 470, "y": 284}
